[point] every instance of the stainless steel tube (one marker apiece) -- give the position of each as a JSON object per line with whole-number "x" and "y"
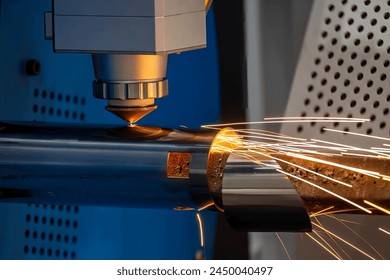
{"x": 144, "y": 167}
{"x": 258, "y": 198}
{"x": 125, "y": 166}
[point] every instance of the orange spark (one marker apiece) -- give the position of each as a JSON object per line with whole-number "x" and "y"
{"x": 377, "y": 207}
{"x": 343, "y": 240}
{"x": 320, "y": 212}
{"x": 206, "y": 206}
{"x": 385, "y": 231}
{"x": 323, "y": 246}
{"x": 318, "y": 118}
{"x": 358, "y": 170}
{"x": 357, "y": 134}
{"x": 284, "y": 247}
{"x": 199, "y": 218}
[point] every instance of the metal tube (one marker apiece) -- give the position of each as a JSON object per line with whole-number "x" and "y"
{"x": 258, "y": 198}
{"x": 144, "y": 167}
{"x": 125, "y": 166}
{"x": 362, "y": 188}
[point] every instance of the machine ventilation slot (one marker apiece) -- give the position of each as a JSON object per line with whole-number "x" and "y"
{"x": 350, "y": 66}
{"x": 50, "y": 231}
{"x": 50, "y": 105}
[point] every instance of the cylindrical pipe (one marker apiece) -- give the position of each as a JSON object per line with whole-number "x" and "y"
{"x": 126, "y": 166}
{"x": 258, "y": 198}
{"x": 143, "y": 167}
{"x": 334, "y": 170}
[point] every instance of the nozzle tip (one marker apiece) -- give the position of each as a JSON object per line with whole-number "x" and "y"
{"x": 131, "y": 114}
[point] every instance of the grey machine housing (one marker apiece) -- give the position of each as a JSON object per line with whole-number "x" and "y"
{"x": 127, "y": 26}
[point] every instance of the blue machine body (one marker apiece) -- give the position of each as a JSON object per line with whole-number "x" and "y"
{"x": 62, "y": 92}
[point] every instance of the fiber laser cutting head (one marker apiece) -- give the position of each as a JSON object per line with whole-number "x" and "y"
{"x": 129, "y": 42}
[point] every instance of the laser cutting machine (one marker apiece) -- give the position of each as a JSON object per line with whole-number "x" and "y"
{"x": 75, "y": 191}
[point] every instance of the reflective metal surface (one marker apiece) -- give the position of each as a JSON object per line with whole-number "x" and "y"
{"x": 116, "y": 166}
{"x": 258, "y": 198}
{"x": 141, "y": 167}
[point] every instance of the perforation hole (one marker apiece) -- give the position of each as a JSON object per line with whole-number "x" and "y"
{"x": 48, "y": 105}
{"x": 51, "y": 232}
{"x": 357, "y": 42}
{"x": 351, "y": 65}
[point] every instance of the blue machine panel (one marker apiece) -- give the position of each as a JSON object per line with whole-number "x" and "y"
{"x": 62, "y": 92}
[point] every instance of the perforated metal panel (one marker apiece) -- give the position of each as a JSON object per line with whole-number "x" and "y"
{"x": 343, "y": 70}
{"x": 51, "y": 104}
{"x": 51, "y": 231}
